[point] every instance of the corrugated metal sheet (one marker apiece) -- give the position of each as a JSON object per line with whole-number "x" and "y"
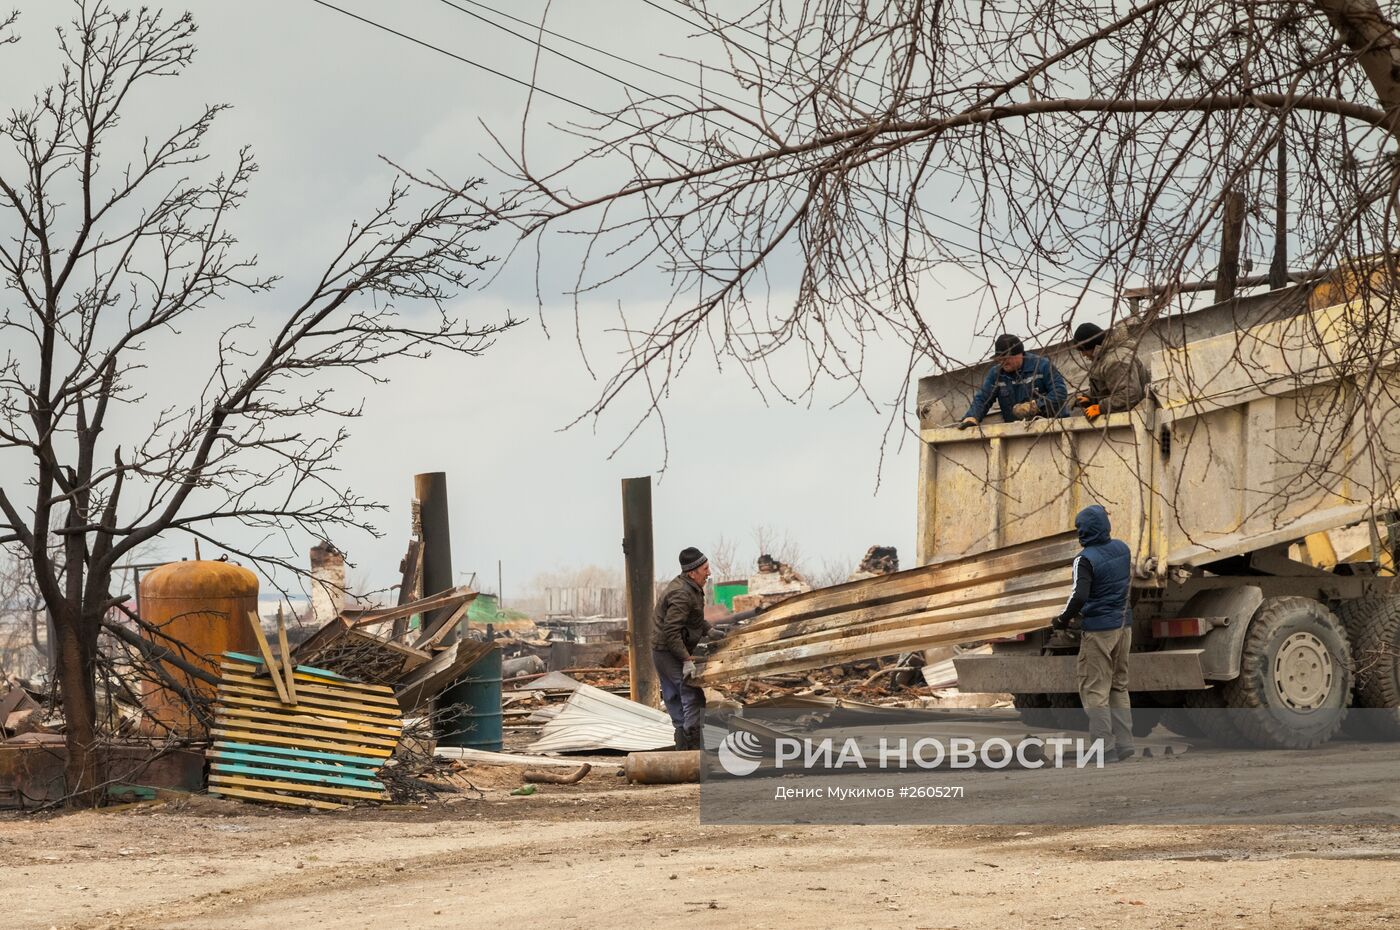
{"x": 594, "y": 719}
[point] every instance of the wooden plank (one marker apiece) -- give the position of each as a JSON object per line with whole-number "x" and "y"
{"x": 288, "y": 665}
{"x": 1008, "y": 562}
{"x": 311, "y": 703}
{"x": 332, "y": 631}
{"x": 240, "y": 702}
{"x": 445, "y": 668}
{"x": 448, "y": 598}
{"x": 1047, "y": 599}
{"x": 872, "y": 646}
{"x": 381, "y": 729}
{"x": 294, "y": 753}
{"x": 267, "y": 658}
{"x": 443, "y": 625}
{"x": 307, "y": 669}
{"x": 314, "y": 676}
{"x": 967, "y": 597}
{"x": 369, "y": 700}
{"x": 274, "y": 784}
{"x": 247, "y": 736}
{"x": 352, "y": 739}
{"x": 360, "y": 770}
{"x": 232, "y": 792}
{"x": 230, "y": 767}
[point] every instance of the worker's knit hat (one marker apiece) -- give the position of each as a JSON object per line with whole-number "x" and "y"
{"x": 1007, "y": 345}
{"x": 1088, "y": 336}
{"x": 691, "y": 559}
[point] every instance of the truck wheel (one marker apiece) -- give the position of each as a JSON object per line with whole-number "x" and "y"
{"x": 1147, "y": 711}
{"x": 1295, "y": 675}
{"x": 1035, "y": 709}
{"x": 1174, "y": 714}
{"x": 1373, "y": 624}
{"x": 1205, "y": 711}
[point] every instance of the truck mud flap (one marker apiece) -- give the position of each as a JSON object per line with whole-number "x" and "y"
{"x": 1175, "y": 670}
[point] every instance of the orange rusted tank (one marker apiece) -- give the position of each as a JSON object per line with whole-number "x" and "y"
{"x": 203, "y": 606}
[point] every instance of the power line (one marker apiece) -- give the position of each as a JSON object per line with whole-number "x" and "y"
{"x": 535, "y": 87}
{"x": 653, "y": 95}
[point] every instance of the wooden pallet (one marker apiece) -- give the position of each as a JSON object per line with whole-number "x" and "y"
{"x": 323, "y": 750}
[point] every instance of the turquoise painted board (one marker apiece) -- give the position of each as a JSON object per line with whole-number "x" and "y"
{"x": 225, "y": 769}
{"x": 295, "y": 753}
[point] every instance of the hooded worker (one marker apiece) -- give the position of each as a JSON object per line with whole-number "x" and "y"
{"x": 1117, "y": 379}
{"x": 679, "y": 628}
{"x": 1022, "y": 384}
{"x": 1102, "y": 579}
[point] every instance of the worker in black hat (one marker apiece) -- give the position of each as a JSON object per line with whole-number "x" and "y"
{"x": 1024, "y": 385}
{"x": 1117, "y": 380}
{"x": 679, "y": 627}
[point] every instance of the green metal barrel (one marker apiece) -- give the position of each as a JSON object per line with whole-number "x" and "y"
{"x": 476, "y": 698}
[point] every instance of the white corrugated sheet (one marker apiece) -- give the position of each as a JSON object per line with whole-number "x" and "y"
{"x": 594, "y": 719}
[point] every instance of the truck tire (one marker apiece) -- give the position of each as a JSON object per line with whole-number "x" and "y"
{"x": 1035, "y": 710}
{"x": 1205, "y": 712}
{"x": 1373, "y": 624}
{"x": 1295, "y": 675}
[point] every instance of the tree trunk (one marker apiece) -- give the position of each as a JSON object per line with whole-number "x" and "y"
{"x": 76, "y": 681}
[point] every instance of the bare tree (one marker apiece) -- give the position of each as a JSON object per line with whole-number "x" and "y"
{"x": 23, "y": 636}
{"x": 867, "y": 153}
{"x": 99, "y": 256}
{"x": 723, "y": 554}
{"x": 779, "y": 544}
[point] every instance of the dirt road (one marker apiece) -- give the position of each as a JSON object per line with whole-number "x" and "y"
{"x": 600, "y": 855}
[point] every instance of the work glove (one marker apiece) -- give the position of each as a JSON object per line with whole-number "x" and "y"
{"x": 688, "y": 669}
{"x": 715, "y": 633}
{"x": 1025, "y": 410}
{"x": 1092, "y": 411}
{"x": 1083, "y": 400}
{"x": 967, "y": 421}
{"x": 1059, "y": 624}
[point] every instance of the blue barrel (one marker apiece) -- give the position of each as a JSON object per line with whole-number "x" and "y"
{"x": 476, "y": 700}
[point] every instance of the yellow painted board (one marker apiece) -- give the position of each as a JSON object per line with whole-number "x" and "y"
{"x": 263, "y": 692}
{"x": 256, "y": 622}
{"x": 248, "y": 703}
{"x": 315, "y": 688}
{"x": 353, "y": 738}
{"x": 276, "y": 798}
{"x": 271, "y": 783}
{"x": 382, "y": 729}
{"x": 352, "y": 749}
{"x": 246, "y": 669}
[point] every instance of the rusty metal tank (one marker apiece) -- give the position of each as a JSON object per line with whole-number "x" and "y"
{"x": 203, "y": 606}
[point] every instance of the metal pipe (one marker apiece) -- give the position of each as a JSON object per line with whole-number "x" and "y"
{"x": 640, "y": 557}
{"x": 679, "y": 767}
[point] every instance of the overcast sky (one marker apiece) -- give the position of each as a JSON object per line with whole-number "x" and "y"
{"x": 319, "y": 97}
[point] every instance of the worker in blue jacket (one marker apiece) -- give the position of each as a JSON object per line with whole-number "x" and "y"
{"x": 1023, "y": 384}
{"x": 1102, "y": 581}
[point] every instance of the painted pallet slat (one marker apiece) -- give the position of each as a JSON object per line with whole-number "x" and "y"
{"x": 322, "y": 749}
{"x": 291, "y": 762}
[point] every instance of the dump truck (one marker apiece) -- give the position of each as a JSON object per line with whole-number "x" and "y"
{"x": 1270, "y": 428}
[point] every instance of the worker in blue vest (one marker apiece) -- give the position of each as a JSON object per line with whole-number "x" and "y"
{"x": 1022, "y": 384}
{"x": 1102, "y": 578}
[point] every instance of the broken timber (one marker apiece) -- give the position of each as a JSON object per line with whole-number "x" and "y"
{"x": 993, "y": 594}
